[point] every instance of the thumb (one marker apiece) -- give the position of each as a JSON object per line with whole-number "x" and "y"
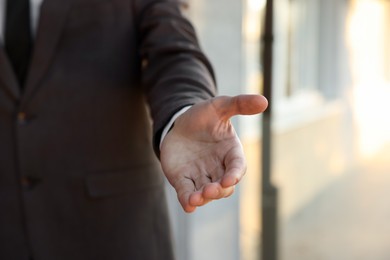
{"x": 228, "y": 107}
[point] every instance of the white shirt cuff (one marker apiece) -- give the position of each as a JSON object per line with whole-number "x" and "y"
{"x": 171, "y": 122}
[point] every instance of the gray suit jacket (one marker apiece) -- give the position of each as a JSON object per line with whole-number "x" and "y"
{"x": 78, "y": 176}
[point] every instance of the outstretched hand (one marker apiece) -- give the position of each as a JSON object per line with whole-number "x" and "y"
{"x": 202, "y": 156}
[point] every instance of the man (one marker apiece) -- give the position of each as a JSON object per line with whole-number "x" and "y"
{"x": 78, "y": 176}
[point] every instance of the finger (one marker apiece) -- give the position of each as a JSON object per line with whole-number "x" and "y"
{"x": 241, "y": 105}
{"x": 233, "y": 176}
{"x": 214, "y": 191}
{"x": 230, "y": 191}
{"x": 235, "y": 167}
{"x": 184, "y": 188}
{"x": 217, "y": 173}
{"x": 200, "y": 180}
{"x": 197, "y": 199}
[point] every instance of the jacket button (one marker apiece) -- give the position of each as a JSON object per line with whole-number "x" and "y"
{"x": 22, "y": 118}
{"x": 28, "y": 182}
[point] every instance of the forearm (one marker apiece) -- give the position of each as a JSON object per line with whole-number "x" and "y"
{"x": 175, "y": 71}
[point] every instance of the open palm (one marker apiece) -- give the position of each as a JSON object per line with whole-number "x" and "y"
{"x": 202, "y": 156}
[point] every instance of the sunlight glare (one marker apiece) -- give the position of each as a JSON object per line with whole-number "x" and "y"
{"x": 366, "y": 37}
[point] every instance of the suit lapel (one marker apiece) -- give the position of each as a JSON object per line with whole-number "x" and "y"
{"x": 8, "y": 77}
{"x": 52, "y": 19}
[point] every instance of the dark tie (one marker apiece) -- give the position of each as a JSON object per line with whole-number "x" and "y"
{"x": 17, "y": 34}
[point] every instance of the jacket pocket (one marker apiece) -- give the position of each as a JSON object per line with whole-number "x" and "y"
{"x": 105, "y": 184}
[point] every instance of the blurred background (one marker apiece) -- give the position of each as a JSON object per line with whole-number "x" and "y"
{"x": 330, "y": 132}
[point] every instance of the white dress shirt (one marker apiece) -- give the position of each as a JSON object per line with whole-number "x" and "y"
{"x": 35, "y": 6}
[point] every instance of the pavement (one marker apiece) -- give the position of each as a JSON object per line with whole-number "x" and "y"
{"x": 349, "y": 220}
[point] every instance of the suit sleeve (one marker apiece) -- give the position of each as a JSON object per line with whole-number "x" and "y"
{"x": 175, "y": 72}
